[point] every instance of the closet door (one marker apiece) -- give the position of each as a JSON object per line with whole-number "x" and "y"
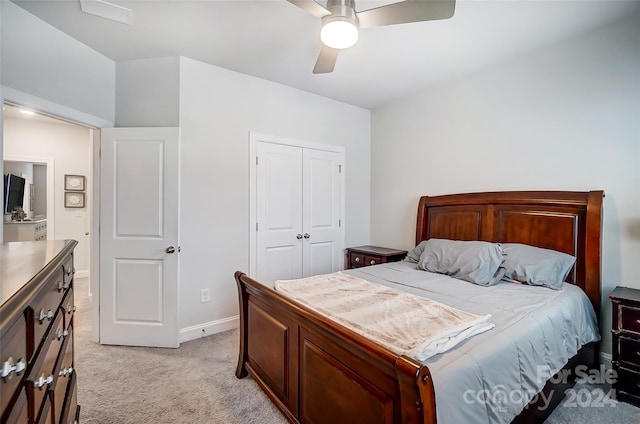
{"x": 298, "y": 211}
{"x": 278, "y": 212}
{"x": 322, "y": 235}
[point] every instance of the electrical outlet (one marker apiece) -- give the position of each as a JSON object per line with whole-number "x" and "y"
{"x": 204, "y": 296}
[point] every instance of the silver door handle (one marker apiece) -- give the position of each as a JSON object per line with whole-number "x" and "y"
{"x": 306, "y": 235}
{"x": 170, "y": 249}
{"x": 299, "y": 236}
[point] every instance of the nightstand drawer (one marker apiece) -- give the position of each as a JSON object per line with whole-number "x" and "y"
{"x": 356, "y": 260}
{"x": 629, "y": 352}
{"x": 372, "y": 260}
{"x": 628, "y": 382}
{"x": 630, "y": 319}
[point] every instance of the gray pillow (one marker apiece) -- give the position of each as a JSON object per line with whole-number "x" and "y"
{"x": 479, "y": 262}
{"x": 414, "y": 255}
{"x": 536, "y": 266}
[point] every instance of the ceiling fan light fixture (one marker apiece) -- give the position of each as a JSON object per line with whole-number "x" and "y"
{"x": 339, "y": 32}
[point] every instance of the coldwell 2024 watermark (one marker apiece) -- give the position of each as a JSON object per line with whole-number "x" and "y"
{"x": 499, "y": 397}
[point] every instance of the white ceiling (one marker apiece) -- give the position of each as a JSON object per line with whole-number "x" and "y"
{"x": 277, "y": 41}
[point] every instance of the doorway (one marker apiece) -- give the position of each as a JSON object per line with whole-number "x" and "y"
{"x": 44, "y": 149}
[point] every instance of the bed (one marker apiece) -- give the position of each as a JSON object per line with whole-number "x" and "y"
{"x": 318, "y": 371}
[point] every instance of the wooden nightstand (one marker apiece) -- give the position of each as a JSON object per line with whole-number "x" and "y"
{"x": 626, "y": 343}
{"x": 372, "y": 255}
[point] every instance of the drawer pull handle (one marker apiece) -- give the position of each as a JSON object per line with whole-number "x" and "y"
{"x": 62, "y": 334}
{"x": 48, "y": 315}
{"x": 42, "y": 381}
{"x": 8, "y": 368}
{"x": 71, "y": 309}
{"x": 357, "y": 259}
{"x": 306, "y": 235}
{"x": 372, "y": 262}
{"x": 299, "y": 236}
{"x": 65, "y": 371}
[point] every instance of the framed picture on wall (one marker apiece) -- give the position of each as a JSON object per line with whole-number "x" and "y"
{"x": 73, "y": 199}
{"x": 74, "y": 182}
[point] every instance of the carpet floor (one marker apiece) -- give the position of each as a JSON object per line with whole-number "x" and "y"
{"x": 196, "y": 383}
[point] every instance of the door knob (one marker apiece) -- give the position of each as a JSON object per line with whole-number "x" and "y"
{"x": 299, "y": 236}
{"x": 170, "y": 249}
{"x": 306, "y": 235}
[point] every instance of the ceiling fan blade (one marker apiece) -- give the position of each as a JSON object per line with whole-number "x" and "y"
{"x": 326, "y": 60}
{"x": 312, "y": 7}
{"x": 406, "y": 12}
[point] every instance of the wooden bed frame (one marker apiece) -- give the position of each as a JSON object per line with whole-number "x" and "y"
{"x": 317, "y": 371}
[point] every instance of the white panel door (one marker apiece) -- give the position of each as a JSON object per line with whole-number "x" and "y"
{"x": 298, "y": 211}
{"x": 322, "y": 247}
{"x": 139, "y": 236}
{"x": 278, "y": 212}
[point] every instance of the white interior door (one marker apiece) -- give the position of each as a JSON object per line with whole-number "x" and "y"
{"x": 279, "y": 212}
{"x": 139, "y": 236}
{"x": 298, "y": 211}
{"x": 322, "y": 232}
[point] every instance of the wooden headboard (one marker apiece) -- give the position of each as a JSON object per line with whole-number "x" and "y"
{"x": 566, "y": 221}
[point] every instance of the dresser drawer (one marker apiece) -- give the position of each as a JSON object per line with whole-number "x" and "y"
{"x": 19, "y": 413}
{"x": 44, "y": 307}
{"x": 629, "y": 319}
{"x": 13, "y": 348}
{"x": 45, "y": 417}
{"x": 65, "y": 371}
{"x": 71, "y": 410}
{"x": 68, "y": 270}
{"x": 68, "y": 307}
{"x": 43, "y": 376}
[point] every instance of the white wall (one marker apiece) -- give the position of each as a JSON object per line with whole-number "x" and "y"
{"x": 46, "y": 63}
{"x": 70, "y": 148}
{"x": 218, "y": 108}
{"x": 147, "y": 92}
{"x": 564, "y": 118}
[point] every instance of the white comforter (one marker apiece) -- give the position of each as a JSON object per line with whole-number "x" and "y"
{"x": 404, "y": 323}
{"x": 489, "y": 378}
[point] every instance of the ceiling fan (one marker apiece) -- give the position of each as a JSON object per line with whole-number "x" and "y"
{"x": 340, "y": 22}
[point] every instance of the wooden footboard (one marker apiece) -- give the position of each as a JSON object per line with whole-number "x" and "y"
{"x": 317, "y": 371}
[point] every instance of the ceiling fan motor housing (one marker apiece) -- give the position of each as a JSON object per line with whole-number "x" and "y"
{"x": 341, "y": 9}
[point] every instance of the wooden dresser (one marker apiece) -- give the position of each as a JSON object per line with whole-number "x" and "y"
{"x": 25, "y": 230}
{"x": 37, "y": 376}
{"x": 626, "y": 343}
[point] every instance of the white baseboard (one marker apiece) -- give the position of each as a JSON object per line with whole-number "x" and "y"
{"x": 209, "y": 328}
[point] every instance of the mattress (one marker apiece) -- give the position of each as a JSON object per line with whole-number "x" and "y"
{"x": 492, "y": 376}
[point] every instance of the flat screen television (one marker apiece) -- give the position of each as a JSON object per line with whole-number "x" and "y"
{"x": 13, "y": 192}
